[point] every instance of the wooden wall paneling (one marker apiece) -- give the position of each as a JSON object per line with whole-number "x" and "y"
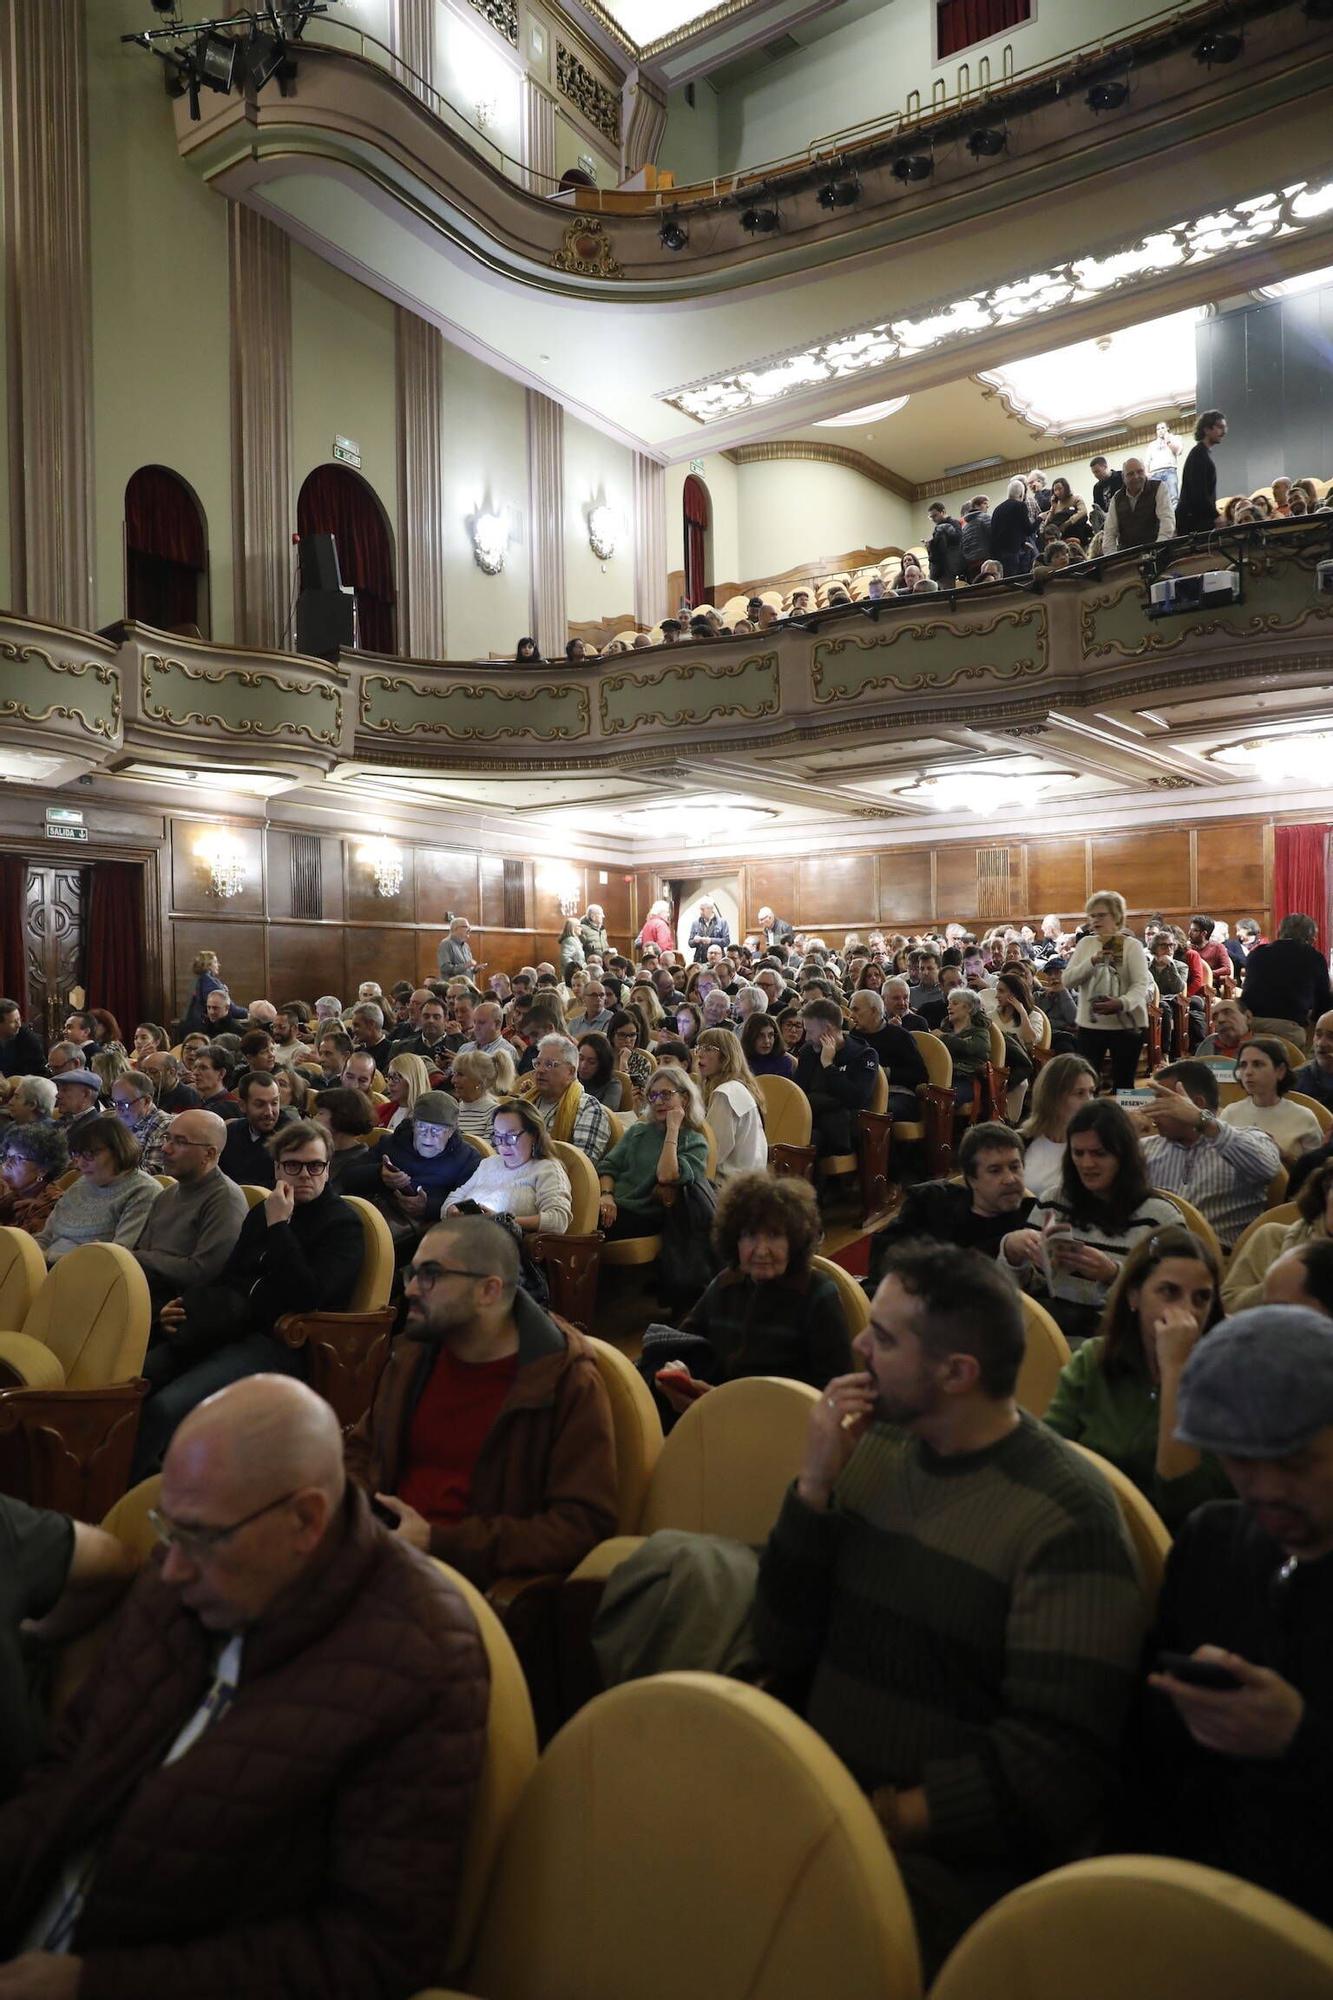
{"x": 239, "y": 945}
{"x": 771, "y": 885}
{"x": 615, "y": 895}
{"x": 192, "y": 892}
{"x": 307, "y": 960}
{"x": 383, "y": 954}
{"x": 365, "y": 905}
{"x": 427, "y": 956}
{"x": 554, "y": 882}
{"x": 490, "y": 890}
{"x": 1231, "y": 868}
{"x": 834, "y": 889}
{"x": 1151, "y": 870}
{"x": 956, "y": 885}
{"x": 1057, "y": 877}
{"x": 906, "y": 886}
{"x": 278, "y": 872}
{"x": 447, "y": 879}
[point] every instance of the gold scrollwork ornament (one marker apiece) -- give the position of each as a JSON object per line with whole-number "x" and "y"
{"x": 586, "y": 251}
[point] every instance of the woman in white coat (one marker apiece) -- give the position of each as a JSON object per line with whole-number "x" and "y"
{"x": 733, "y": 1107}
{"x": 1108, "y": 973}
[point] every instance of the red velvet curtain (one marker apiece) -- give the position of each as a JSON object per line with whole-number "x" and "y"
{"x": 1300, "y": 876}
{"x": 166, "y": 550}
{"x": 13, "y": 930}
{"x": 696, "y": 527}
{"x": 333, "y": 501}
{"x": 114, "y": 951}
{"x": 960, "y": 23}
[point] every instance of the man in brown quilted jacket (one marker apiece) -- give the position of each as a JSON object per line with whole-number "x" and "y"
{"x": 264, "y": 1788}
{"x": 490, "y": 1435}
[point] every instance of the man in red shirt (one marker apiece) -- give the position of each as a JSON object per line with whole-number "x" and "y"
{"x": 1214, "y": 955}
{"x": 490, "y": 1437}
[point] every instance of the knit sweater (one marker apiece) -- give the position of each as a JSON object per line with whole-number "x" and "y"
{"x": 974, "y": 1624}
{"x": 89, "y": 1214}
{"x": 1115, "y": 1415}
{"x": 786, "y": 1326}
{"x": 190, "y": 1232}
{"x": 538, "y": 1187}
{"x": 632, "y": 1163}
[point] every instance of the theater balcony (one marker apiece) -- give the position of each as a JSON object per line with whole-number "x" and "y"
{"x": 1073, "y": 699}
{"x": 380, "y": 172}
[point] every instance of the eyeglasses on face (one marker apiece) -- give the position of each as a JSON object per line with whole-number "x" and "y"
{"x": 509, "y": 1138}
{"x": 662, "y": 1096}
{"x": 426, "y": 1276}
{"x": 199, "y": 1541}
{"x": 293, "y": 1169}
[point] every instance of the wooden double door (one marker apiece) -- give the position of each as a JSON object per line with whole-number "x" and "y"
{"x": 55, "y": 927}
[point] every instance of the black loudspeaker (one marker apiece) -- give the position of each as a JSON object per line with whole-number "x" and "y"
{"x": 326, "y": 622}
{"x": 319, "y": 563}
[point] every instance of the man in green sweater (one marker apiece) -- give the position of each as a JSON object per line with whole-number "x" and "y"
{"x": 957, "y": 1585}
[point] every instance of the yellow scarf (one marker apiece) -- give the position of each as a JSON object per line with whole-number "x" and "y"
{"x": 562, "y": 1125}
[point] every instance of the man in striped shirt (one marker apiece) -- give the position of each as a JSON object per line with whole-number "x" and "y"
{"x": 955, "y": 1582}
{"x": 1223, "y": 1170}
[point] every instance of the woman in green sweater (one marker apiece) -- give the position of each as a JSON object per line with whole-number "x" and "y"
{"x": 665, "y": 1150}
{"x": 1117, "y": 1395}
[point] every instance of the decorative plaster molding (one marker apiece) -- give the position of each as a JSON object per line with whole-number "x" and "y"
{"x": 599, "y": 104}
{"x": 157, "y": 666}
{"x": 483, "y": 692}
{"x": 1289, "y": 211}
{"x": 546, "y": 513}
{"x": 502, "y": 15}
{"x": 1021, "y": 624}
{"x": 825, "y": 454}
{"x": 17, "y": 706}
{"x": 586, "y": 250}
{"x": 767, "y": 700}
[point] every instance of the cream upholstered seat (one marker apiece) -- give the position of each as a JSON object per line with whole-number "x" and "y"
{"x": 583, "y": 1186}
{"x": 1145, "y": 1527}
{"x": 254, "y": 1195}
{"x": 22, "y": 1274}
{"x": 1194, "y": 1222}
{"x": 723, "y": 1470}
{"x": 1285, "y": 1212}
{"x": 128, "y": 1519}
{"x": 1140, "y": 1925}
{"x": 1321, "y": 1111}
{"x": 87, "y": 1325}
{"x": 478, "y": 1144}
{"x": 788, "y": 1122}
{"x": 775, "y": 1883}
{"x": 855, "y": 1304}
{"x": 508, "y": 1763}
{"x": 638, "y": 1431}
{"x": 1045, "y": 1353}
{"x": 572, "y": 1259}
{"x": 934, "y": 1127}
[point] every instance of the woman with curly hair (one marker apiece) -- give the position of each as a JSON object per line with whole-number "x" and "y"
{"x": 767, "y": 1312}
{"x": 32, "y": 1160}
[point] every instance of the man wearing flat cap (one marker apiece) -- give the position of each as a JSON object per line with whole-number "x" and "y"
{"x": 1241, "y": 1777}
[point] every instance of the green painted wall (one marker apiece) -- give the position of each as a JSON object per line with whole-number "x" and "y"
{"x": 597, "y": 470}
{"x": 161, "y": 392}
{"x": 689, "y": 147}
{"x": 343, "y": 378}
{"x": 485, "y": 470}
{"x": 793, "y": 511}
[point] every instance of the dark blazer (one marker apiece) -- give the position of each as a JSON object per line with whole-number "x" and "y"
{"x": 310, "y": 1264}
{"x": 715, "y": 931}
{"x": 23, "y": 1054}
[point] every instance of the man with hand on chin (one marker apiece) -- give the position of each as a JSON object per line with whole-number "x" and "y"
{"x": 1223, "y": 1170}
{"x": 983, "y": 1718}
{"x": 1237, "y": 1737}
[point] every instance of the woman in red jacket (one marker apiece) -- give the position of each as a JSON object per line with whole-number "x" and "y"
{"x": 657, "y": 929}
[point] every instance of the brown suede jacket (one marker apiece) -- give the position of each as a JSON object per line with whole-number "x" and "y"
{"x": 311, "y": 1840}
{"x": 544, "y": 1485}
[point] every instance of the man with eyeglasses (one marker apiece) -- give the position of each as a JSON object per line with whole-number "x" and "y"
{"x": 193, "y": 1225}
{"x": 1236, "y": 1742}
{"x": 566, "y": 1109}
{"x": 298, "y": 1251}
{"x": 266, "y": 1787}
{"x": 132, "y": 1102}
{"x": 490, "y": 1435}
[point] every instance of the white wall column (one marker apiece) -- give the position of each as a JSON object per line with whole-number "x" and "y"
{"x": 43, "y": 81}
{"x": 412, "y": 32}
{"x": 263, "y": 504}
{"x": 539, "y": 175}
{"x": 643, "y": 118}
{"x": 650, "y": 541}
{"x": 546, "y": 517}
{"x": 420, "y": 403}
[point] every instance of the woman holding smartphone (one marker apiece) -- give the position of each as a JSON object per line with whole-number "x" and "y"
{"x": 1080, "y": 1234}
{"x": 1117, "y": 1395}
{"x": 1108, "y": 975}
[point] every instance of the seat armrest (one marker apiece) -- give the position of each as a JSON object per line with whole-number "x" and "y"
{"x": 346, "y": 1353}
{"x": 572, "y": 1264}
{"x": 69, "y": 1449}
{"x": 26, "y": 1363}
{"x": 598, "y": 1564}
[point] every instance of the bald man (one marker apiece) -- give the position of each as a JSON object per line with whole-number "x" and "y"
{"x": 265, "y": 1789}
{"x": 202, "y": 1213}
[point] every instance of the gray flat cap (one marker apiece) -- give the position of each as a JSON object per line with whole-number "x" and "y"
{"x": 1260, "y": 1385}
{"x": 87, "y": 1078}
{"x": 435, "y": 1107}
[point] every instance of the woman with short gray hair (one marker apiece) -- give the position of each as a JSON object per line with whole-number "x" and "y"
{"x": 32, "y": 1098}
{"x": 1109, "y": 975}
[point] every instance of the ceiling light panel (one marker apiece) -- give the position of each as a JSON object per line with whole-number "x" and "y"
{"x": 1104, "y": 381}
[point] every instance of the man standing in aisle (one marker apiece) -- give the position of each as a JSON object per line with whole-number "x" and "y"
{"x": 1196, "y": 509}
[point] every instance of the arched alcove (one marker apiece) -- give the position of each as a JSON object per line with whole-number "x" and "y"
{"x": 336, "y": 501}
{"x": 698, "y": 512}
{"x": 166, "y": 552}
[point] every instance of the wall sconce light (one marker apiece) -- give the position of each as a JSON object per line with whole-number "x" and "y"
{"x": 603, "y": 531}
{"x": 490, "y": 542}
{"x": 225, "y": 864}
{"x": 387, "y": 862}
{"x": 485, "y": 105}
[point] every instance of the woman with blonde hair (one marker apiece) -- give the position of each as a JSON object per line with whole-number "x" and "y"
{"x": 644, "y": 1001}
{"x": 659, "y": 1153}
{"x": 406, "y": 1078}
{"x": 1064, "y": 1085}
{"x": 110, "y": 1063}
{"x": 732, "y": 1104}
{"x": 473, "y": 1080}
{"x": 1108, "y": 974}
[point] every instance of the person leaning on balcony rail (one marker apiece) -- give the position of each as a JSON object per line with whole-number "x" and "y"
{"x": 1140, "y": 512}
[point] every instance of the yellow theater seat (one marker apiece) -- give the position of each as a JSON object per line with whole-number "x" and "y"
{"x": 348, "y": 1349}
{"x": 478, "y": 1144}
{"x": 22, "y": 1275}
{"x": 1045, "y": 1353}
{"x": 855, "y": 1304}
{"x": 638, "y": 1431}
{"x": 787, "y": 1125}
{"x": 87, "y": 1325}
{"x": 254, "y": 1195}
{"x": 1196, "y": 1223}
{"x": 572, "y": 1260}
{"x": 762, "y": 1872}
{"x": 723, "y": 1470}
{"x": 1142, "y": 1926}
{"x": 1145, "y": 1527}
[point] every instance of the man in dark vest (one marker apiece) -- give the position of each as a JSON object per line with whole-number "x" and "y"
{"x": 1140, "y": 512}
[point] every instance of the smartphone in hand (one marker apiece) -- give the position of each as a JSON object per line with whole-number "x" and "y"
{"x": 1198, "y": 1673}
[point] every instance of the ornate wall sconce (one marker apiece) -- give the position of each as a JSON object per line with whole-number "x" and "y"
{"x": 603, "y": 531}
{"x": 225, "y": 864}
{"x": 386, "y": 861}
{"x": 490, "y": 542}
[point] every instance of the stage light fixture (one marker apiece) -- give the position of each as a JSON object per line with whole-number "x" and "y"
{"x": 265, "y": 56}
{"x": 1107, "y": 96}
{"x": 673, "y": 235}
{"x": 1218, "y": 48}
{"x": 987, "y": 141}
{"x": 913, "y": 167}
{"x": 839, "y": 194}
{"x": 215, "y": 61}
{"x": 759, "y": 221}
